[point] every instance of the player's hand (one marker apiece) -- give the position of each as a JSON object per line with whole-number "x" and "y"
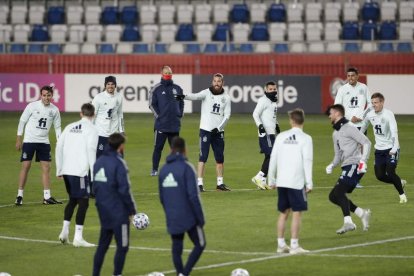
{"x": 215, "y": 130}
{"x": 362, "y": 167}
{"x": 391, "y": 153}
{"x": 18, "y": 143}
{"x": 308, "y": 190}
{"x": 355, "y": 119}
{"x": 277, "y": 129}
{"x": 179, "y": 97}
{"x": 272, "y": 186}
{"x": 262, "y": 130}
{"x": 329, "y": 168}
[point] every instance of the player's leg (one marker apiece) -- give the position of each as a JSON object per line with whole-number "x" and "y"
{"x": 391, "y": 167}
{"x": 266, "y": 142}
{"x": 28, "y": 150}
{"x": 197, "y": 236}
{"x": 177, "y": 251}
{"x": 44, "y": 156}
{"x": 204, "y": 145}
{"x": 284, "y": 209}
{"x": 299, "y": 204}
{"x": 68, "y": 213}
{"x": 171, "y": 135}
{"x": 159, "y": 142}
{"x": 121, "y": 233}
{"x": 102, "y": 142}
{"x": 105, "y": 238}
{"x": 217, "y": 145}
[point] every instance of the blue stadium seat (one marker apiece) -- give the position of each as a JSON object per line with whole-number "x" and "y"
{"x": 130, "y": 33}
{"x": 259, "y": 32}
{"x": 106, "y": 49}
{"x": 1, "y": 49}
{"x": 109, "y": 15}
{"x": 350, "y": 31}
{"x": 246, "y": 48}
{"x": 228, "y": 48}
{"x": 193, "y": 48}
{"x": 211, "y": 48}
{"x": 404, "y": 47}
{"x": 53, "y": 49}
{"x": 185, "y": 33}
{"x": 18, "y": 48}
{"x": 351, "y": 47}
{"x": 240, "y": 13}
{"x": 370, "y": 11}
{"x": 140, "y": 48}
{"x": 277, "y": 13}
{"x": 369, "y": 31}
{"x": 220, "y": 34}
{"x": 56, "y": 15}
{"x": 129, "y": 15}
{"x": 281, "y": 48}
{"x": 160, "y": 48}
{"x": 36, "y": 48}
{"x": 388, "y": 31}
{"x": 386, "y": 47}
{"x": 39, "y": 33}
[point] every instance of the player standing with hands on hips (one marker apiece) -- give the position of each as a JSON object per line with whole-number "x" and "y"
{"x": 215, "y": 113}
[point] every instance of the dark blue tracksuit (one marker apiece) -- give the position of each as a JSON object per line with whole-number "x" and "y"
{"x": 167, "y": 112}
{"x": 180, "y": 198}
{"x": 115, "y": 205}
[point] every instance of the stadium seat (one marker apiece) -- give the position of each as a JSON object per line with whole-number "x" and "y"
{"x": 147, "y": 14}
{"x": 36, "y": 48}
{"x": 21, "y": 33}
{"x": 211, "y": 48}
{"x": 277, "y": 31}
{"x": 77, "y": 33}
{"x": 149, "y": 33}
{"x": 368, "y": 47}
{"x": 406, "y": 10}
{"x": 110, "y": 16}
{"x": 36, "y": 14}
{"x": 58, "y": 33}
{"x": 56, "y": 15}
{"x": 316, "y": 47}
{"x": 404, "y": 47}
{"x": 53, "y": 49}
{"x": 262, "y": 48}
{"x": 295, "y": 31}
{"x": 106, "y": 49}
{"x": 4, "y": 13}
{"x": 370, "y": 11}
{"x": 18, "y": 14}
{"x": 246, "y": 48}
{"x": 129, "y": 15}
{"x": 228, "y": 48}
{"x": 124, "y": 48}
{"x": 281, "y": 48}
{"x": 314, "y": 31}
{"x": 350, "y": 11}
{"x": 259, "y": 32}
{"x": 222, "y": 32}
{"x": 369, "y": 31}
{"x": 298, "y": 47}
{"x": 1, "y": 49}
{"x": 332, "y": 11}
{"x": 295, "y": 12}
{"x": 5, "y": 33}
{"x": 351, "y": 47}
{"x": 350, "y": 31}
{"x": 388, "y": 30}
{"x": 277, "y": 13}
{"x": 113, "y": 33}
{"x": 71, "y": 48}
{"x": 221, "y": 13}
{"x": 202, "y": 13}
{"x": 39, "y": 33}
{"x": 92, "y": 14}
{"x": 88, "y": 48}
{"x": 332, "y": 31}
{"x": 17, "y": 48}
{"x": 192, "y": 48}
{"x": 160, "y": 48}
{"x": 313, "y": 12}
{"x": 204, "y": 32}
{"x": 166, "y": 14}
{"x": 140, "y": 48}
{"x": 406, "y": 30}
{"x": 333, "y": 47}
{"x": 185, "y": 14}
{"x": 94, "y": 33}
{"x": 185, "y": 33}
{"x": 74, "y": 14}
{"x": 176, "y": 48}
{"x": 258, "y": 13}
{"x": 168, "y": 32}
{"x": 240, "y": 13}
{"x": 240, "y": 32}
{"x": 130, "y": 33}
{"x": 388, "y": 10}
{"x": 386, "y": 47}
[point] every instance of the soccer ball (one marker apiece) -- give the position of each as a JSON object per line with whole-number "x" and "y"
{"x": 240, "y": 272}
{"x": 140, "y": 221}
{"x": 155, "y": 273}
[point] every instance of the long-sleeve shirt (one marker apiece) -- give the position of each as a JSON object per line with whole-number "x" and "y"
{"x": 109, "y": 116}
{"x": 385, "y": 129}
{"x": 215, "y": 109}
{"x": 76, "y": 149}
{"x": 355, "y": 99}
{"x": 291, "y": 160}
{"x": 265, "y": 113}
{"x": 36, "y": 121}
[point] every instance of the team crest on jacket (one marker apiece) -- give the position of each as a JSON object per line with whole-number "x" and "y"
{"x": 361, "y": 91}
{"x": 223, "y": 100}
{"x": 174, "y": 91}
{"x": 204, "y": 139}
{"x": 51, "y": 113}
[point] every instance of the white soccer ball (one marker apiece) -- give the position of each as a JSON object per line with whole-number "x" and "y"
{"x": 240, "y": 272}
{"x": 140, "y": 221}
{"x": 155, "y": 273}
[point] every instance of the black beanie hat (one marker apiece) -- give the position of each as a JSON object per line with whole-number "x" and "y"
{"x": 110, "y": 79}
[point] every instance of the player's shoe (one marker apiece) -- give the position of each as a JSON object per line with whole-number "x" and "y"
{"x": 365, "y": 219}
{"x": 359, "y": 186}
{"x": 346, "y": 228}
{"x": 82, "y": 243}
{"x": 403, "y": 183}
{"x": 201, "y": 188}
{"x": 50, "y": 201}
{"x": 223, "y": 188}
{"x": 19, "y": 201}
{"x": 298, "y": 250}
{"x": 154, "y": 173}
{"x": 403, "y": 198}
{"x": 64, "y": 237}
{"x": 260, "y": 183}
{"x": 284, "y": 249}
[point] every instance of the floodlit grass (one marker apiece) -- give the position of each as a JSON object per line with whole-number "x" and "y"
{"x": 240, "y": 225}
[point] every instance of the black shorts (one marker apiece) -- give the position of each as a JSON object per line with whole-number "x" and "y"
{"x": 266, "y": 143}
{"x": 383, "y": 157}
{"x": 102, "y": 144}
{"x": 77, "y": 187}
{"x": 292, "y": 199}
{"x": 216, "y": 140}
{"x": 42, "y": 151}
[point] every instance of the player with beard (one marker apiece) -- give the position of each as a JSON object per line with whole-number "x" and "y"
{"x": 215, "y": 113}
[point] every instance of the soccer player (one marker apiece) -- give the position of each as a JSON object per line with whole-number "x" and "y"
{"x": 265, "y": 117}
{"x": 114, "y": 202}
{"x": 387, "y": 146}
{"x": 167, "y": 112}
{"x": 75, "y": 157}
{"x": 354, "y": 97}
{"x": 347, "y": 141}
{"x": 109, "y": 117}
{"x": 215, "y": 113}
{"x": 180, "y": 199}
{"x": 290, "y": 170}
{"x": 35, "y": 122}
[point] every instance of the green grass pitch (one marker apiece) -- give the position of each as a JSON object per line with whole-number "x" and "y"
{"x": 240, "y": 225}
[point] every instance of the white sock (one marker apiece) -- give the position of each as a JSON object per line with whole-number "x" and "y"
{"x": 65, "y": 227}
{"x": 348, "y": 219}
{"x": 219, "y": 180}
{"x": 20, "y": 192}
{"x": 79, "y": 232}
{"x": 294, "y": 243}
{"x": 260, "y": 174}
{"x": 359, "y": 212}
{"x": 281, "y": 242}
{"x": 46, "y": 194}
{"x": 200, "y": 181}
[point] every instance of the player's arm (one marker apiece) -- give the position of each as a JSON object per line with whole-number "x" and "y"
{"x": 364, "y": 125}
{"x": 95, "y": 104}
{"x": 307, "y": 155}
{"x": 394, "y": 133}
{"x": 92, "y": 141}
{"x": 363, "y": 141}
{"x": 226, "y": 115}
{"x": 181, "y": 103}
{"x": 121, "y": 117}
{"x": 339, "y": 97}
{"x": 59, "y": 152}
{"x": 193, "y": 194}
{"x": 124, "y": 188}
{"x": 271, "y": 175}
{"x": 57, "y": 123}
{"x": 197, "y": 96}
{"x": 22, "y": 122}
{"x": 337, "y": 152}
{"x": 153, "y": 102}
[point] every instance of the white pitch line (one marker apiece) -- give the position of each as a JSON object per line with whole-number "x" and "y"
{"x": 363, "y": 256}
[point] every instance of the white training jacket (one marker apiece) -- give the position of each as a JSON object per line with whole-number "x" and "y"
{"x": 291, "y": 160}
{"x": 385, "y": 129}
{"x": 355, "y": 99}
{"x": 265, "y": 113}
{"x": 215, "y": 109}
{"x": 38, "y": 119}
{"x": 109, "y": 116}
{"x": 76, "y": 149}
